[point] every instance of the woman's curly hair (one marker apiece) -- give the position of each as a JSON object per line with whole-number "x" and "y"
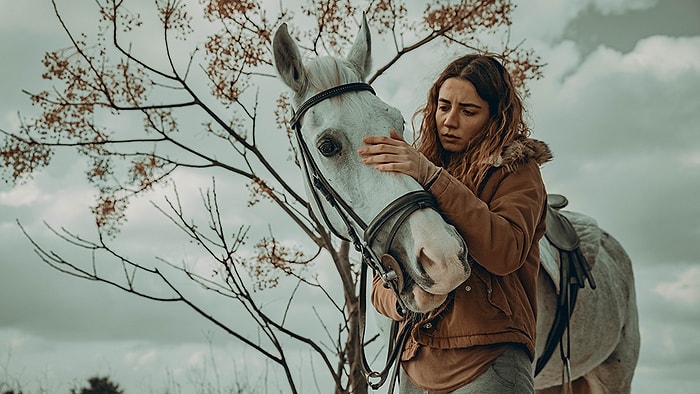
{"x": 506, "y": 121}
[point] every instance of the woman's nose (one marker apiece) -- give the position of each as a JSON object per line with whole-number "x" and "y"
{"x": 451, "y": 119}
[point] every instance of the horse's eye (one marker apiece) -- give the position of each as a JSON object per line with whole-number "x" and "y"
{"x": 329, "y": 147}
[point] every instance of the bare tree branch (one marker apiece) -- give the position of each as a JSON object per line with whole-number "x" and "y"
{"x": 100, "y": 82}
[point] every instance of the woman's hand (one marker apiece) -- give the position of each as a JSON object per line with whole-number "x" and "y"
{"x": 393, "y": 154}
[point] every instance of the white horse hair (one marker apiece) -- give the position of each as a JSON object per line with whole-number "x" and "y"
{"x": 604, "y": 329}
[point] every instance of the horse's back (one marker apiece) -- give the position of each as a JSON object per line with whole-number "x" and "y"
{"x": 604, "y": 326}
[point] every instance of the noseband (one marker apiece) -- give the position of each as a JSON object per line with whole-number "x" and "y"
{"x": 400, "y": 209}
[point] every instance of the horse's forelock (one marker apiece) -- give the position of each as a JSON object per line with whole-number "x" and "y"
{"x": 327, "y": 72}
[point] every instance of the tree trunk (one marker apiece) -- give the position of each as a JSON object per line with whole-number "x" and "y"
{"x": 355, "y": 349}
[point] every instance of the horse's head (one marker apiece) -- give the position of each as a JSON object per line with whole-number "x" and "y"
{"x": 430, "y": 252}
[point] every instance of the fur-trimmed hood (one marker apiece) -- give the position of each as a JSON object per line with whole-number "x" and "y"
{"x": 522, "y": 151}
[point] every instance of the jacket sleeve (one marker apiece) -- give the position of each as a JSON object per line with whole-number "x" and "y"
{"x": 384, "y": 300}
{"x": 499, "y": 234}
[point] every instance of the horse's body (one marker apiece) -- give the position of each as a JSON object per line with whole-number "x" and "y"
{"x": 604, "y": 329}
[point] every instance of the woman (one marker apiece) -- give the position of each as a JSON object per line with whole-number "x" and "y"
{"x": 474, "y": 155}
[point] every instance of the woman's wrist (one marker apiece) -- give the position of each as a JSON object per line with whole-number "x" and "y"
{"x": 427, "y": 171}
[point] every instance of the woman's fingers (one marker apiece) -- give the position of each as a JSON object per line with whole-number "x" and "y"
{"x": 380, "y": 149}
{"x": 393, "y": 134}
{"x": 389, "y": 153}
{"x": 382, "y": 152}
{"x": 382, "y": 140}
{"x": 383, "y": 158}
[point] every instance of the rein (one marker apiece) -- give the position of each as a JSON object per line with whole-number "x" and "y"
{"x": 384, "y": 265}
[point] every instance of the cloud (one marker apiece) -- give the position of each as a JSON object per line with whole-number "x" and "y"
{"x": 669, "y": 327}
{"x": 13, "y": 18}
{"x": 60, "y": 307}
{"x": 546, "y": 20}
{"x": 623, "y": 129}
{"x": 617, "y": 104}
{"x": 607, "y": 7}
{"x": 137, "y": 366}
{"x": 22, "y": 195}
{"x": 684, "y": 289}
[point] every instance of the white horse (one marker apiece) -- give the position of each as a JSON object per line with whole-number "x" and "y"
{"x": 604, "y": 329}
{"x": 430, "y": 251}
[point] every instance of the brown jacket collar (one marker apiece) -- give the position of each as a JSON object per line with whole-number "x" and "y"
{"x": 522, "y": 151}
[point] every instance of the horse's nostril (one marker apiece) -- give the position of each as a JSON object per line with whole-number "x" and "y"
{"x": 425, "y": 260}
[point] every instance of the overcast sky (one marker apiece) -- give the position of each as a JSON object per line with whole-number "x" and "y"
{"x": 619, "y": 105}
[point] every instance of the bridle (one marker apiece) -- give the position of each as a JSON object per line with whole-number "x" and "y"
{"x": 384, "y": 264}
{"x": 401, "y": 208}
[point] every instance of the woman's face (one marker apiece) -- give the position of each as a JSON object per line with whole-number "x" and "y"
{"x": 461, "y": 114}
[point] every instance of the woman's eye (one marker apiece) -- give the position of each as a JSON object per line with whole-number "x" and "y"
{"x": 329, "y": 147}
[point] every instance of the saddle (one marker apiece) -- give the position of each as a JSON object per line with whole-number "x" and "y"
{"x": 568, "y": 231}
{"x": 568, "y": 266}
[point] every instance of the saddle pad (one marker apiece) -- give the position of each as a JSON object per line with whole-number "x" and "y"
{"x": 549, "y": 261}
{"x": 589, "y": 235}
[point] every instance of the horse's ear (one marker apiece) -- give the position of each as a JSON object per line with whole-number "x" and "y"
{"x": 360, "y": 55}
{"x": 288, "y": 60}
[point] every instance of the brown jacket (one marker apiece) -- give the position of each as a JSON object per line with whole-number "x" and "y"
{"x": 502, "y": 227}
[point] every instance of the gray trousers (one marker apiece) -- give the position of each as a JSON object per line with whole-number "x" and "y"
{"x": 510, "y": 373}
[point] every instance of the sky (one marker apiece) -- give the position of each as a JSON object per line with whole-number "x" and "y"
{"x": 619, "y": 104}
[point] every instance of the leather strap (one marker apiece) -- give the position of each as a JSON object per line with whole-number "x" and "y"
{"x": 326, "y": 94}
{"x": 387, "y": 267}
